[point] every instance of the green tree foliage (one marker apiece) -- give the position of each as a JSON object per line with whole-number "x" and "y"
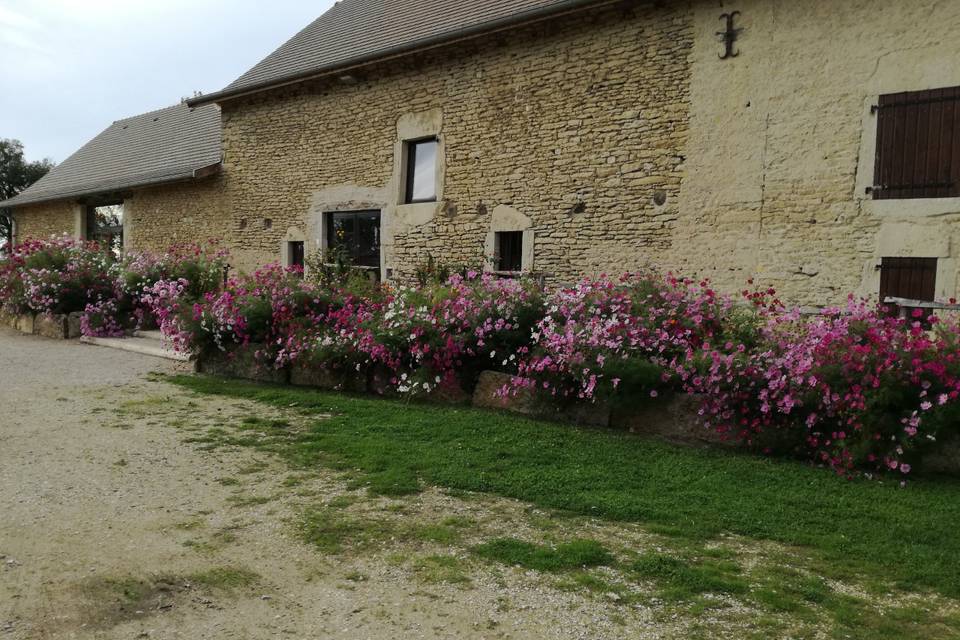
{"x": 16, "y": 174}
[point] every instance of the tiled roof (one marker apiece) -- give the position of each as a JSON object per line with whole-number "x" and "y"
{"x": 358, "y": 31}
{"x": 160, "y": 146}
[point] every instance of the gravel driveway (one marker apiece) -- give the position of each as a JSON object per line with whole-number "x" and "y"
{"x": 115, "y": 525}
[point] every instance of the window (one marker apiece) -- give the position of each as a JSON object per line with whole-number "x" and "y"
{"x": 295, "y": 254}
{"x": 421, "y": 171}
{"x": 6, "y": 224}
{"x": 509, "y": 251}
{"x": 910, "y": 278}
{"x": 354, "y": 237}
{"x": 105, "y": 227}
{"x": 918, "y": 145}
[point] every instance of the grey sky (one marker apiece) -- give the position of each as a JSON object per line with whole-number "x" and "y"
{"x": 68, "y": 68}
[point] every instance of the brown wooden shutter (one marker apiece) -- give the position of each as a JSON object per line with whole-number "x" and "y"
{"x": 910, "y": 278}
{"x": 918, "y": 145}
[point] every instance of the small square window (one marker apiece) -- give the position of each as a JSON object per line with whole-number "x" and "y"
{"x": 295, "y": 254}
{"x": 421, "y": 171}
{"x": 509, "y": 251}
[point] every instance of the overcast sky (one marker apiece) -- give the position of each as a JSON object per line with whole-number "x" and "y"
{"x": 68, "y": 68}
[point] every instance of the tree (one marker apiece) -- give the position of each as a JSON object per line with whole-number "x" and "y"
{"x": 16, "y": 174}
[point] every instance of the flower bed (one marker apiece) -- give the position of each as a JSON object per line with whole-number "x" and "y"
{"x": 850, "y": 388}
{"x": 66, "y": 288}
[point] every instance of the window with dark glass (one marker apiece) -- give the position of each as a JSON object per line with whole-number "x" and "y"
{"x": 421, "y": 171}
{"x": 918, "y": 145}
{"x": 509, "y": 250}
{"x": 354, "y": 237}
{"x": 296, "y": 254}
{"x": 7, "y": 241}
{"x": 105, "y": 227}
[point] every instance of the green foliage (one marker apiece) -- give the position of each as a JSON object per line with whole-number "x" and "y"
{"x": 393, "y": 481}
{"x": 575, "y": 554}
{"x": 16, "y": 174}
{"x": 224, "y": 578}
{"x": 905, "y": 536}
{"x": 432, "y": 272}
{"x": 333, "y": 269}
{"x": 682, "y": 580}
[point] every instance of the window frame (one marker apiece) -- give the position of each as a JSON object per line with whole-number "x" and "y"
{"x": 297, "y": 253}
{"x": 516, "y": 251}
{"x": 410, "y": 173}
{"x": 329, "y": 241}
{"x": 93, "y": 234}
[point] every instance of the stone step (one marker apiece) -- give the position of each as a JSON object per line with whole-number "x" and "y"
{"x": 151, "y": 335}
{"x": 139, "y": 344}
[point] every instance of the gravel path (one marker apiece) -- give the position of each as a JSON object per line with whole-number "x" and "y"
{"x": 112, "y": 525}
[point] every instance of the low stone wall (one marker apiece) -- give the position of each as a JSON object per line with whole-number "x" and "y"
{"x": 674, "y": 418}
{"x": 538, "y": 405}
{"x": 240, "y": 364}
{"x": 56, "y": 327}
{"x": 322, "y": 378}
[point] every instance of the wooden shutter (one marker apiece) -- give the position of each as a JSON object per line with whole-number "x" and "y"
{"x": 918, "y": 145}
{"x": 910, "y": 278}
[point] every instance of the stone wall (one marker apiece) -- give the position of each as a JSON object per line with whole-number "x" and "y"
{"x": 187, "y": 212}
{"x": 581, "y": 126}
{"x": 614, "y": 138}
{"x": 155, "y": 218}
{"x": 780, "y": 146}
{"x": 40, "y": 221}
{"x": 575, "y": 125}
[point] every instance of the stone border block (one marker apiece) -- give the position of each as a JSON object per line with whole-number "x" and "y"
{"x": 536, "y": 404}
{"x": 50, "y": 326}
{"x": 242, "y": 365}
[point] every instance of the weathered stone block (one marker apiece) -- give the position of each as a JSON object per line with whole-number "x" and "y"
{"x": 73, "y": 325}
{"x": 320, "y": 377}
{"x": 532, "y": 403}
{"x": 674, "y": 418}
{"x": 241, "y": 364}
{"x": 50, "y": 326}
{"x": 945, "y": 458}
{"x": 24, "y": 324}
{"x": 487, "y": 395}
{"x": 450, "y": 393}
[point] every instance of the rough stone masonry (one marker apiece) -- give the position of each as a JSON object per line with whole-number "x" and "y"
{"x": 614, "y": 139}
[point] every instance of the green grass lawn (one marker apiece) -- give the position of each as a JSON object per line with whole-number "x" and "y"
{"x": 876, "y": 532}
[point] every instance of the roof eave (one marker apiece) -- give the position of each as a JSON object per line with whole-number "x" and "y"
{"x": 527, "y": 17}
{"x": 195, "y": 174}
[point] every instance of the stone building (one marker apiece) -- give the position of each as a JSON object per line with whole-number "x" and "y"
{"x": 144, "y": 183}
{"x": 812, "y": 146}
